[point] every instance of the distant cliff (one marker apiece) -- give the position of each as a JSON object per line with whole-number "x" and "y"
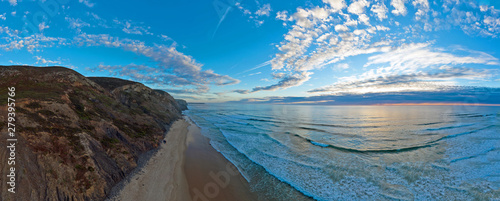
{"x": 182, "y": 104}
{"x": 78, "y": 136}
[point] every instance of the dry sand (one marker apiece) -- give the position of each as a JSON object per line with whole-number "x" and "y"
{"x": 186, "y": 168}
{"x": 162, "y": 178}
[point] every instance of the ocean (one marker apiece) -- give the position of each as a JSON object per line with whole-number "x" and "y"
{"x": 313, "y": 152}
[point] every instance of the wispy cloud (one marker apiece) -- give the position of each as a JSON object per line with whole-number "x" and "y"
{"x": 42, "y": 26}
{"x": 415, "y": 67}
{"x": 422, "y": 55}
{"x": 85, "y": 2}
{"x": 12, "y": 2}
{"x": 422, "y": 81}
{"x": 31, "y": 43}
{"x": 267, "y": 63}
{"x": 76, "y": 23}
{"x": 322, "y": 36}
{"x": 341, "y": 66}
{"x": 264, "y": 10}
{"x": 379, "y": 10}
{"x": 286, "y": 81}
{"x": 131, "y": 28}
{"x": 41, "y": 60}
{"x": 172, "y": 68}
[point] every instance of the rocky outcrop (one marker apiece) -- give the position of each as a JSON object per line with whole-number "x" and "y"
{"x": 183, "y": 105}
{"x": 78, "y": 136}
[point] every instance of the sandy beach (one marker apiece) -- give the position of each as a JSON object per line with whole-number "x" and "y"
{"x": 186, "y": 168}
{"x": 162, "y": 178}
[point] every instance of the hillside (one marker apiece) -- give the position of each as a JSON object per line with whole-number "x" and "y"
{"x": 78, "y": 136}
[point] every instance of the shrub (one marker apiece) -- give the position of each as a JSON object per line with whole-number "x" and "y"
{"x": 34, "y": 105}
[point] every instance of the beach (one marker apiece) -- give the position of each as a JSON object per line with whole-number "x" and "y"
{"x": 211, "y": 176}
{"x": 185, "y": 168}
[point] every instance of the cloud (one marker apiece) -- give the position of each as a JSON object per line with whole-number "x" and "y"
{"x": 31, "y": 43}
{"x": 283, "y": 15}
{"x": 380, "y": 10}
{"x": 311, "y": 43}
{"x": 422, "y": 8}
{"x": 255, "y": 73}
{"x": 341, "y": 66}
{"x": 452, "y": 95}
{"x": 286, "y": 81}
{"x": 241, "y": 91}
{"x": 421, "y": 81}
{"x": 172, "y": 68}
{"x": 341, "y": 28}
{"x": 40, "y": 60}
{"x": 129, "y": 28}
{"x": 87, "y": 3}
{"x": 323, "y": 36}
{"x": 336, "y": 5}
{"x": 183, "y": 92}
{"x": 145, "y": 74}
{"x": 399, "y": 7}
{"x": 76, "y": 23}
{"x": 264, "y": 10}
{"x": 415, "y": 67}
{"x": 422, "y": 55}
{"x": 358, "y": 7}
{"x": 12, "y": 2}
{"x": 473, "y": 21}
{"x": 42, "y": 26}
{"x": 96, "y": 20}
{"x": 493, "y": 24}
{"x": 2, "y": 16}
{"x": 267, "y": 63}
{"x": 244, "y": 10}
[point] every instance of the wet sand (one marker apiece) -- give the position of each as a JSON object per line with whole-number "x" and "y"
{"x": 186, "y": 168}
{"x": 211, "y": 176}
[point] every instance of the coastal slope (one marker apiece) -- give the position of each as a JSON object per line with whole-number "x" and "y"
{"x": 78, "y": 136}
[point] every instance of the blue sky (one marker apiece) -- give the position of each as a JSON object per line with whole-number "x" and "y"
{"x": 249, "y": 50}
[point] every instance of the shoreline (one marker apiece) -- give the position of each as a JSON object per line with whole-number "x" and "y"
{"x": 185, "y": 168}
{"x": 209, "y": 174}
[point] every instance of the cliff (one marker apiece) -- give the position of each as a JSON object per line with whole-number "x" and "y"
{"x": 78, "y": 136}
{"x": 182, "y": 104}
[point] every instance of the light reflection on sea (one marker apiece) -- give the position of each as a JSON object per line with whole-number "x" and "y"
{"x": 359, "y": 152}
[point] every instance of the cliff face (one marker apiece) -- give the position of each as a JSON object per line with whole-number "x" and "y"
{"x": 182, "y": 104}
{"x": 78, "y": 136}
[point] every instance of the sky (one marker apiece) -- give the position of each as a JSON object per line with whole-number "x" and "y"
{"x": 319, "y": 51}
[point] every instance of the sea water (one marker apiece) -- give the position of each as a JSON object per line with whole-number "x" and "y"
{"x": 302, "y": 152}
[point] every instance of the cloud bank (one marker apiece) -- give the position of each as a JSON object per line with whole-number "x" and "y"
{"x": 452, "y": 95}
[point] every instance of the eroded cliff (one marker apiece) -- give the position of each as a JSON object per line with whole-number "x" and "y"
{"x": 78, "y": 136}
